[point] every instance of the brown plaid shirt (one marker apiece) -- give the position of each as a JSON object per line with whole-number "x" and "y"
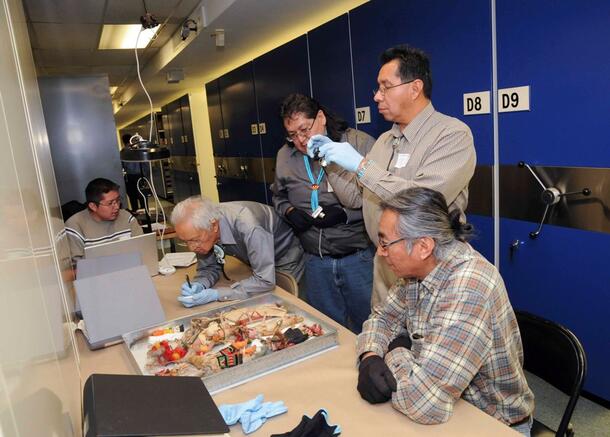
{"x": 465, "y": 342}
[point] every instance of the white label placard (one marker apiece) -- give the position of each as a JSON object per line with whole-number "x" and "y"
{"x": 403, "y": 159}
{"x": 254, "y": 129}
{"x": 477, "y": 103}
{"x": 363, "y": 115}
{"x": 514, "y": 99}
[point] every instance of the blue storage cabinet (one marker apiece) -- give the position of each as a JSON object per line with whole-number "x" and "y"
{"x": 187, "y": 126}
{"x": 230, "y": 189}
{"x": 278, "y": 73}
{"x": 186, "y": 184}
{"x": 563, "y": 275}
{"x": 215, "y": 115}
{"x": 457, "y": 38}
{"x": 562, "y": 50}
{"x": 330, "y": 65}
{"x": 483, "y": 240}
{"x": 174, "y": 117}
{"x": 239, "y": 112}
{"x": 559, "y": 49}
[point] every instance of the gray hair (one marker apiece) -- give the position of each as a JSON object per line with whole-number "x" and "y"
{"x": 199, "y": 210}
{"x": 423, "y": 212}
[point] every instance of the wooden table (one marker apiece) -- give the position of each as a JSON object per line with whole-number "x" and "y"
{"x": 324, "y": 381}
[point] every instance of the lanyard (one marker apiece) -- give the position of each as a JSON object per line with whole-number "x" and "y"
{"x": 315, "y": 184}
{"x": 219, "y": 253}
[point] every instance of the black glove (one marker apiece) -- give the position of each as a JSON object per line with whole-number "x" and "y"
{"x": 375, "y": 380}
{"x": 299, "y": 220}
{"x": 333, "y": 215}
{"x": 402, "y": 340}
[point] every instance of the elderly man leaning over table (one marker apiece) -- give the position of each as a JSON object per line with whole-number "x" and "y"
{"x": 250, "y": 231}
{"x": 447, "y": 329}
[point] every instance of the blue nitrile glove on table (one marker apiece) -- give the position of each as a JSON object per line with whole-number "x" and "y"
{"x": 253, "y": 420}
{"x": 342, "y": 154}
{"x": 231, "y": 413}
{"x": 252, "y": 414}
{"x": 200, "y": 298}
{"x": 189, "y": 290}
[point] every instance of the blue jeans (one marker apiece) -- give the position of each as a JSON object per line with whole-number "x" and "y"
{"x": 341, "y": 287}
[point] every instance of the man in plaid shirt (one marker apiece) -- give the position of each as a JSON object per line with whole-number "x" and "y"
{"x": 447, "y": 329}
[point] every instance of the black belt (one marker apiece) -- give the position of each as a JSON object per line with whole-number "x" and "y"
{"x": 343, "y": 255}
{"x": 521, "y": 422}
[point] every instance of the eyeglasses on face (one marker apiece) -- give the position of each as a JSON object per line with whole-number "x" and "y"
{"x": 113, "y": 202}
{"x": 301, "y": 133}
{"x": 384, "y": 245}
{"x": 201, "y": 239}
{"x": 383, "y": 89}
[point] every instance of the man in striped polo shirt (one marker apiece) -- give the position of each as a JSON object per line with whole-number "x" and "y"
{"x": 102, "y": 221}
{"x": 424, "y": 148}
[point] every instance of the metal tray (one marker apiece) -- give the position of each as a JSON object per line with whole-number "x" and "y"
{"x": 136, "y": 343}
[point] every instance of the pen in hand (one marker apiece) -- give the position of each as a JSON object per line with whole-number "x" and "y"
{"x": 188, "y": 281}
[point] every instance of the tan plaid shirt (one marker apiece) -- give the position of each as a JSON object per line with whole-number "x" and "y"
{"x": 466, "y": 342}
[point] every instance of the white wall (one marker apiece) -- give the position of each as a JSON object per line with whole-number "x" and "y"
{"x": 39, "y": 378}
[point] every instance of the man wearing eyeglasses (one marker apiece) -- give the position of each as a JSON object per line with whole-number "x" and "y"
{"x": 447, "y": 330}
{"x": 102, "y": 221}
{"x": 249, "y": 231}
{"x": 423, "y": 148}
{"x": 338, "y": 253}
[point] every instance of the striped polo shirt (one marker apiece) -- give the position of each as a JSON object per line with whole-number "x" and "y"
{"x": 84, "y": 231}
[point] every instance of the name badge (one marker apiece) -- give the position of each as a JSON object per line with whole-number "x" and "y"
{"x": 402, "y": 160}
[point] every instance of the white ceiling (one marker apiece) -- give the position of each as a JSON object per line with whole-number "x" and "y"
{"x": 65, "y": 33}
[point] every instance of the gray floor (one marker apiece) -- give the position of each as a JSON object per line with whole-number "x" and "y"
{"x": 589, "y": 419}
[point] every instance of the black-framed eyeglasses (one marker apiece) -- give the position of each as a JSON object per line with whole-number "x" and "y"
{"x": 301, "y": 133}
{"x": 113, "y": 202}
{"x": 384, "y": 245}
{"x": 383, "y": 89}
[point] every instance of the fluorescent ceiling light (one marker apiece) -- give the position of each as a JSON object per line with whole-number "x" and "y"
{"x": 123, "y": 36}
{"x": 113, "y": 89}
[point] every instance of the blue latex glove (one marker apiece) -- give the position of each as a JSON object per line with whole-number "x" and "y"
{"x": 315, "y": 142}
{"x": 232, "y": 412}
{"x": 251, "y": 420}
{"x": 342, "y": 154}
{"x": 203, "y": 297}
{"x": 194, "y": 288}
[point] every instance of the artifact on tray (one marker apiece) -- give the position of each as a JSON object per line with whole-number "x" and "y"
{"x": 211, "y": 344}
